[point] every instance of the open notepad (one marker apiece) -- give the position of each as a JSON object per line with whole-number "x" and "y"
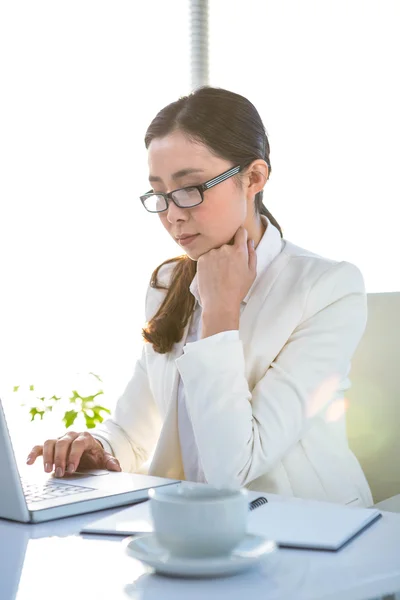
{"x": 294, "y": 524}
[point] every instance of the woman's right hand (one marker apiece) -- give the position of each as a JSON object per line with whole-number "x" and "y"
{"x": 71, "y": 452}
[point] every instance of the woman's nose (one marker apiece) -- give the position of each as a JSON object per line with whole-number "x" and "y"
{"x": 175, "y": 213}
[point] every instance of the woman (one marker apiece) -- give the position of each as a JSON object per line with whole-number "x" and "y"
{"x": 249, "y": 338}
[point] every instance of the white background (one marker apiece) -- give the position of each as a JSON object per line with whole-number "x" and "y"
{"x": 325, "y": 77}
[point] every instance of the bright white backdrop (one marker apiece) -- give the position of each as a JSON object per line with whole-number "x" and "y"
{"x": 325, "y": 76}
{"x": 81, "y": 82}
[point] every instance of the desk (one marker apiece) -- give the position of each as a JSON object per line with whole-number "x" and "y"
{"x": 51, "y": 560}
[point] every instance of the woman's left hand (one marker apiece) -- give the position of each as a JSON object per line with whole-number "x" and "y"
{"x": 226, "y": 274}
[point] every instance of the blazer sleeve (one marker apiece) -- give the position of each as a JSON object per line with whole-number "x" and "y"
{"x": 241, "y": 434}
{"x": 132, "y": 431}
{"x": 134, "y": 427}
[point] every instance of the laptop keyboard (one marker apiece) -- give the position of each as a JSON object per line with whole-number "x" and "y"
{"x": 34, "y": 492}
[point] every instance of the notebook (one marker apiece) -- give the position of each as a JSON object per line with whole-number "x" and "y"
{"x": 310, "y": 524}
{"x": 303, "y": 524}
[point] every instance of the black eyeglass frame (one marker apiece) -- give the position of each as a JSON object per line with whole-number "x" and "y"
{"x": 201, "y": 188}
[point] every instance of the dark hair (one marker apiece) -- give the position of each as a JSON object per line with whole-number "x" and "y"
{"x": 230, "y": 126}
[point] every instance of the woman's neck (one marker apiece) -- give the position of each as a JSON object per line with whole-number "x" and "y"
{"x": 257, "y": 233}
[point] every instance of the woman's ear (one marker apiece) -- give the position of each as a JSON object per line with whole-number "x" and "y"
{"x": 257, "y": 176}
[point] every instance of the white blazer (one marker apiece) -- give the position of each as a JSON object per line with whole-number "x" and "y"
{"x": 267, "y": 409}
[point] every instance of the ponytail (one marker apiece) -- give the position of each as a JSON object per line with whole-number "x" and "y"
{"x": 167, "y": 326}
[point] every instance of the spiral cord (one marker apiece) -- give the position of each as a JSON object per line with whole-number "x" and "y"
{"x": 199, "y": 43}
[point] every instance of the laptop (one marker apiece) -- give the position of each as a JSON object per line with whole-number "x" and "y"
{"x": 38, "y": 496}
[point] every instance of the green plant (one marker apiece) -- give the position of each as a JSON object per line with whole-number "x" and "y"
{"x": 78, "y": 404}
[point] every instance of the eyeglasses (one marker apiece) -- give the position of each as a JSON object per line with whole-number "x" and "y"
{"x": 186, "y": 197}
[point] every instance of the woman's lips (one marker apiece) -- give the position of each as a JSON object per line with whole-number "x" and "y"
{"x": 186, "y": 241}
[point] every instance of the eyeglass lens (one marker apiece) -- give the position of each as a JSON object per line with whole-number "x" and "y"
{"x": 185, "y": 198}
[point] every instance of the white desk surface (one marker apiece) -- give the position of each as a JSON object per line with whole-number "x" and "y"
{"x": 51, "y": 560}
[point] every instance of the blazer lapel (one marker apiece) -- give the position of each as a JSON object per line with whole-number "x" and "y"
{"x": 258, "y": 297}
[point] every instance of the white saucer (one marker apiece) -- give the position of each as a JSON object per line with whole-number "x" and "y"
{"x": 249, "y": 552}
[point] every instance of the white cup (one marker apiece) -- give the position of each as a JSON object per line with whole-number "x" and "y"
{"x": 198, "y": 521}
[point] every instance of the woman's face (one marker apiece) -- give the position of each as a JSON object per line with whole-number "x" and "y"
{"x": 175, "y": 162}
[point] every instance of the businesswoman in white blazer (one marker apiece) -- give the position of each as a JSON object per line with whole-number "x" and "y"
{"x": 249, "y": 338}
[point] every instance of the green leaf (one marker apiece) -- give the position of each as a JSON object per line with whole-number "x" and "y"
{"x": 34, "y": 411}
{"x": 31, "y": 388}
{"x": 97, "y": 376}
{"x": 93, "y": 415}
{"x": 87, "y": 401}
{"x": 69, "y": 418}
{"x": 98, "y": 409}
{"x": 74, "y": 397}
{"x": 15, "y": 388}
{"x": 90, "y": 423}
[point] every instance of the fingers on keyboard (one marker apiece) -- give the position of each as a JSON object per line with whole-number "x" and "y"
{"x": 33, "y": 454}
